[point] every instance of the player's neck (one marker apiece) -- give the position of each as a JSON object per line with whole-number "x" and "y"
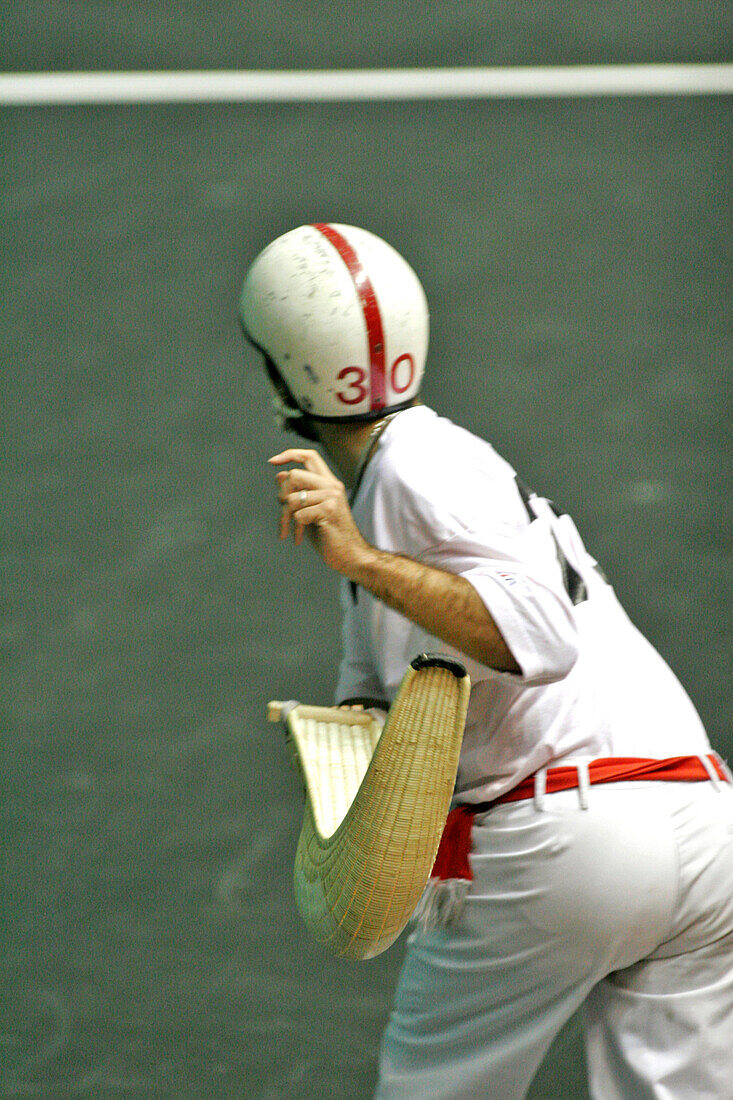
{"x": 345, "y": 445}
{"x": 351, "y": 446}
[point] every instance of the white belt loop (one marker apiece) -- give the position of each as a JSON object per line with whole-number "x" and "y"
{"x": 724, "y": 767}
{"x": 708, "y": 766}
{"x": 583, "y": 783}
{"x": 540, "y": 786}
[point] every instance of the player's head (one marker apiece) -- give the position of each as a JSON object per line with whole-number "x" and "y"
{"x": 342, "y": 321}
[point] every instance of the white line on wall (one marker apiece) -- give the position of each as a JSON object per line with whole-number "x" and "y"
{"x": 344, "y": 85}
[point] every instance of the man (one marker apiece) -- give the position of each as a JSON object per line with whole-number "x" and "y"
{"x": 602, "y": 835}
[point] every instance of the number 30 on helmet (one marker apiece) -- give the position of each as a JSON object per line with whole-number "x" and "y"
{"x": 342, "y": 321}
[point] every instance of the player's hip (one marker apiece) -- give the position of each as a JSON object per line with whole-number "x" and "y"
{"x": 644, "y": 868}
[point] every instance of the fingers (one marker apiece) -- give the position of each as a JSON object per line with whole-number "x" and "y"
{"x": 310, "y": 493}
{"x": 291, "y": 481}
{"x": 310, "y": 459}
{"x": 304, "y": 517}
{"x": 303, "y": 507}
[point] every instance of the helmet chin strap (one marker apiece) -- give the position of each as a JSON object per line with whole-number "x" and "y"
{"x": 289, "y": 418}
{"x": 369, "y": 448}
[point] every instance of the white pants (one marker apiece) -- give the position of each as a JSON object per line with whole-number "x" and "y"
{"x": 626, "y": 905}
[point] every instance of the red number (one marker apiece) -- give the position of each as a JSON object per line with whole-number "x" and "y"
{"x": 410, "y": 374}
{"x": 356, "y": 385}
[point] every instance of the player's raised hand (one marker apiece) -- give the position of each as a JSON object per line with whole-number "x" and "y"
{"x": 314, "y": 499}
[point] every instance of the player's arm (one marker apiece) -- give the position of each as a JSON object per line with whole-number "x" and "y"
{"x": 444, "y": 605}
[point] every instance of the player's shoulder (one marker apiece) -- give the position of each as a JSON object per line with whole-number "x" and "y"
{"x": 427, "y": 453}
{"x": 450, "y": 478}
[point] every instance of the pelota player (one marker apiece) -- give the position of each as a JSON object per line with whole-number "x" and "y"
{"x": 601, "y": 844}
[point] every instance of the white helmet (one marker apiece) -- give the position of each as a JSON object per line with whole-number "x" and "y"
{"x": 342, "y": 321}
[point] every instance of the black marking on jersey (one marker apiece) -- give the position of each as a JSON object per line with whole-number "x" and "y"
{"x": 574, "y": 584}
{"x": 559, "y": 512}
{"x": 353, "y": 590}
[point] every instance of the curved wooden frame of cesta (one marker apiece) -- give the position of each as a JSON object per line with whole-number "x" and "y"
{"x": 376, "y": 804}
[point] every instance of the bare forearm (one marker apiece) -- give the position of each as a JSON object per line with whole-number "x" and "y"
{"x": 441, "y": 603}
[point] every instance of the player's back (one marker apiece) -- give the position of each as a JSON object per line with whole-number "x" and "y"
{"x": 591, "y": 684}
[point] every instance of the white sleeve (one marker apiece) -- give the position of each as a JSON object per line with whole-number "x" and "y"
{"x": 525, "y": 597}
{"x": 358, "y": 678}
{"x": 480, "y": 531}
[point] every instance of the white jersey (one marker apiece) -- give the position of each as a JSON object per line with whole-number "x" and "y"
{"x": 590, "y": 684}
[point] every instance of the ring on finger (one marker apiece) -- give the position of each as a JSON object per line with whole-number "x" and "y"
{"x": 302, "y": 497}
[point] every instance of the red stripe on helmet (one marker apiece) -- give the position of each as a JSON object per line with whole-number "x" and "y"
{"x": 370, "y": 309}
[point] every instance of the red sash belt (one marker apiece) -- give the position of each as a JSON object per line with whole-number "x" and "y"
{"x": 455, "y": 844}
{"x": 615, "y": 769}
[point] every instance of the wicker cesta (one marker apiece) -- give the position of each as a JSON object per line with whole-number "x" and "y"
{"x": 376, "y": 803}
